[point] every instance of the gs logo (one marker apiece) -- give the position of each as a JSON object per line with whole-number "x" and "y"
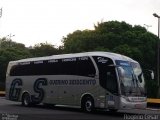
{"x": 16, "y": 89}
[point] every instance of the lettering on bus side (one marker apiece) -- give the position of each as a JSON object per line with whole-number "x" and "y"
{"x": 15, "y": 89}
{"x": 39, "y": 90}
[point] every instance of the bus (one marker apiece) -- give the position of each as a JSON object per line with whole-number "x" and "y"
{"x": 87, "y": 80}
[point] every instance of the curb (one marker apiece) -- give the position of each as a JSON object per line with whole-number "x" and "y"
{"x": 2, "y": 93}
{"x": 153, "y": 102}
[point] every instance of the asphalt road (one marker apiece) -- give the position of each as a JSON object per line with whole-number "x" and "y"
{"x": 14, "y": 111}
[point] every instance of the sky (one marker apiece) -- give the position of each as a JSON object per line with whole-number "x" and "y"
{"x": 39, "y": 21}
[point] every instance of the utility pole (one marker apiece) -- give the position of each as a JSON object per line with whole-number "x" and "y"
{"x": 0, "y": 17}
{"x": 158, "y": 54}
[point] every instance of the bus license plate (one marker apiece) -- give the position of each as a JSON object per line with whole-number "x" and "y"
{"x": 138, "y": 106}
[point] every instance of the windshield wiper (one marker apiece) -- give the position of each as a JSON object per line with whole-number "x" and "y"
{"x": 137, "y": 85}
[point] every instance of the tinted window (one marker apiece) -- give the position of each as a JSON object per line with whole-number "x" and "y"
{"x": 81, "y": 66}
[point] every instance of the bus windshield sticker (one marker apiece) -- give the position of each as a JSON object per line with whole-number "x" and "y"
{"x": 122, "y": 63}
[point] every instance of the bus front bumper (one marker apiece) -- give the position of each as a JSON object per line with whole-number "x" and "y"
{"x": 125, "y": 103}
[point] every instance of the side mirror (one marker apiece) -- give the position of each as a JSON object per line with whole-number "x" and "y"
{"x": 150, "y": 72}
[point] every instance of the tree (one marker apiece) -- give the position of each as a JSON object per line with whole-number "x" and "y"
{"x": 8, "y": 43}
{"x": 43, "y": 49}
{"x": 10, "y": 51}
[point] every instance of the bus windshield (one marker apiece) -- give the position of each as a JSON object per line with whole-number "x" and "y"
{"x": 131, "y": 78}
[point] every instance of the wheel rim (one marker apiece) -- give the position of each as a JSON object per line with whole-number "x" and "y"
{"x": 88, "y": 105}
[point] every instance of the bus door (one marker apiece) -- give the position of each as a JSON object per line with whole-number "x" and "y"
{"x": 112, "y": 99}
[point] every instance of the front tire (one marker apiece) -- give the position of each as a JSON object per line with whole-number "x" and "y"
{"x": 88, "y": 104}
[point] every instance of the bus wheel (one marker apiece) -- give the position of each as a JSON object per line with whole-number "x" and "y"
{"x": 88, "y": 104}
{"x": 26, "y": 101}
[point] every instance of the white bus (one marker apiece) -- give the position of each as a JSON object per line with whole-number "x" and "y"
{"x": 88, "y": 80}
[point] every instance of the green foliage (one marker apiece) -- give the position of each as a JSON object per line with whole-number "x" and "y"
{"x": 43, "y": 49}
{"x": 152, "y": 88}
{"x": 125, "y": 49}
{"x": 10, "y": 51}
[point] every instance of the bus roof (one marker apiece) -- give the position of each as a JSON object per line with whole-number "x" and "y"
{"x": 113, "y": 56}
